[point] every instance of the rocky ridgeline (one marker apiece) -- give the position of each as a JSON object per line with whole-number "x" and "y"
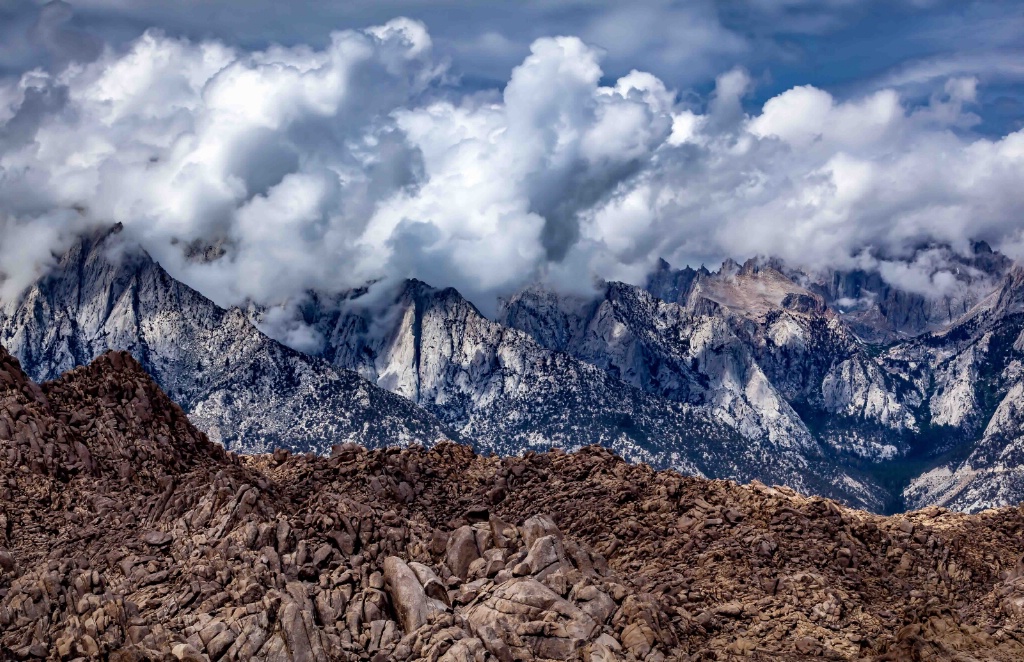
{"x": 126, "y": 535}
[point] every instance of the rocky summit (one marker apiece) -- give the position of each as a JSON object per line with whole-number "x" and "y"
{"x": 125, "y": 534}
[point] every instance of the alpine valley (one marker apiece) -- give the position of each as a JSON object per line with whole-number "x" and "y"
{"x": 836, "y": 383}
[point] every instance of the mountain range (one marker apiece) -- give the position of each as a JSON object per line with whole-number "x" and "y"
{"x": 834, "y": 382}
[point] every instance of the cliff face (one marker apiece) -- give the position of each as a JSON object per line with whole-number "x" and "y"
{"x": 880, "y": 312}
{"x": 977, "y": 365}
{"x": 936, "y": 402}
{"x": 740, "y": 344}
{"x": 126, "y": 534}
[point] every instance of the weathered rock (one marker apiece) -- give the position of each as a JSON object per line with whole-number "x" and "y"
{"x": 157, "y": 538}
{"x": 126, "y": 534}
{"x": 546, "y": 554}
{"x": 411, "y": 603}
{"x": 538, "y": 526}
{"x": 430, "y": 582}
{"x": 462, "y": 551}
{"x": 528, "y": 615}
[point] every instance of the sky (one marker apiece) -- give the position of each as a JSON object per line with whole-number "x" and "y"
{"x": 262, "y": 149}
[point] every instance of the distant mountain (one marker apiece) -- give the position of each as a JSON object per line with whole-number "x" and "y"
{"x": 923, "y": 393}
{"x": 242, "y": 388}
{"x": 750, "y": 340}
{"x": 881, "y": 312}
{"x": 947, "y": 388}
{"x": 663, "y": 349}
{"x": 838, "y": 383}
{"x": 976, "y": 369}
{"x": 505, "y": 391}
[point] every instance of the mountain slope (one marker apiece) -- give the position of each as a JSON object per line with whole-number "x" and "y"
{"x": 978, "y": 366}
{"x": 939, "y": 413}
{"x": 662, "y": 349}
{"x": 935, "y": 418}
{"x": 755, "y": 371}
{"x": 745, "y": 341}
{"x": 881, "y": 312}
{"x": 245, "y": 390}
{"x": 804, "y": 349}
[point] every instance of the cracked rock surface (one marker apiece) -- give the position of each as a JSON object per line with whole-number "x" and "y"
{"x": 125, "y": 534}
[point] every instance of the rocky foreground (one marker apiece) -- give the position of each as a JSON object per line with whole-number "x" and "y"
{"x": 126, "y": 535}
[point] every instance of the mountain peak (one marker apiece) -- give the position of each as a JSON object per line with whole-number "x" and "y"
{"x": 425, "y": 294}
{"x": 1009, "y": 297}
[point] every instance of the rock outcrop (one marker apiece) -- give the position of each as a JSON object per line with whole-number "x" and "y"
{"x": 125, "y": 534}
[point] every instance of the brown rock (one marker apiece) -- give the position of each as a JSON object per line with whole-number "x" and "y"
{"x": 413, "y": 606}
{"x": 538, "y": 526}
{"x": 461, "y": 551}
{"x": 157, "y": 538}
{"x": 125, "y": 534}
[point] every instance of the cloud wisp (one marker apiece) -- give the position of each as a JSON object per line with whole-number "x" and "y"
{"x": 259, "y": 175}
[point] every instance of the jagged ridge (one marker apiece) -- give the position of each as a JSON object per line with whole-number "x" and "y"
{"x": 502, "y": 389}
{"x": 753, "y": 371}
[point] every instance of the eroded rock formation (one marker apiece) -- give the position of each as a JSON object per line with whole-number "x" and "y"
{"x": 125, "y": 534}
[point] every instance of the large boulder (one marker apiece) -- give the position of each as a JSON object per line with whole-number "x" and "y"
{"x": 461, "y": 551}
{"x": 531, "y": 620}
{"x": 413, "y": 606}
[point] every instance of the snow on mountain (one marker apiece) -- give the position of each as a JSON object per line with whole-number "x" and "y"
{"x": 939, "y": 286}
{"x": 665, "y": 350}
{"x": 978, "y": 367}
{"x": 806, "y": 351}
{"x": 939, "y": 410}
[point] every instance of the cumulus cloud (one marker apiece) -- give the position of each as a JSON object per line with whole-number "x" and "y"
{"x": 327, "y": 168}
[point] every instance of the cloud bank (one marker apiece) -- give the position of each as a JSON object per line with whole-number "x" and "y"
{"x": 258, "y": 175}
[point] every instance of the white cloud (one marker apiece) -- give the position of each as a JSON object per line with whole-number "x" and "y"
{"x": 991, "y": 65}
{"x": 803, "y": 115}
{"x": 328, "y": 168}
